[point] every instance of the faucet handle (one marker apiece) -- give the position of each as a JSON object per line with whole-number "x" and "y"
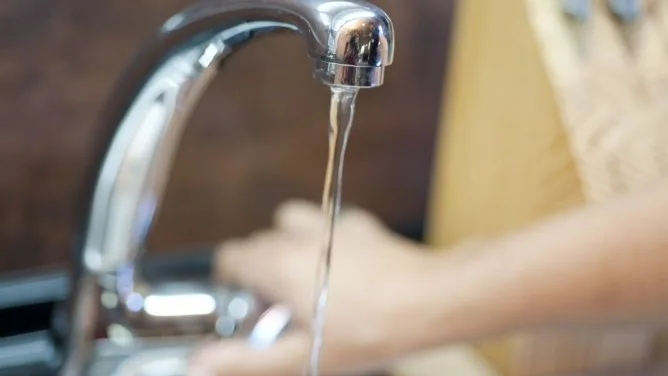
{"x": 199, "y": 309}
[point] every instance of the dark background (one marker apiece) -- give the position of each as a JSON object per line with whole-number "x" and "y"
{"x": 259, "y": 135}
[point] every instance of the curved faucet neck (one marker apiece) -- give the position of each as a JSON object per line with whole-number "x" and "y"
{"x": 351, "y": 43}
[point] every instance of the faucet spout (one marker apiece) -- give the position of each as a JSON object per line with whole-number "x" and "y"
{"x": 351, "y": 43}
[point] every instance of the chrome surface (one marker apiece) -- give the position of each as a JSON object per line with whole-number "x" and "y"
{"x": 351, "y": 43}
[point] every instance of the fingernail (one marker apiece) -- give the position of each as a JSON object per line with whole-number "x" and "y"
{"x": 199, "y": 371}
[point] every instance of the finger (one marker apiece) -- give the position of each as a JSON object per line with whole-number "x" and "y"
{"x": 245, "y": 261}
{"x": 285, "y": 358}
{"x": 358, "y": 216}
{"x": 299, "y": 215}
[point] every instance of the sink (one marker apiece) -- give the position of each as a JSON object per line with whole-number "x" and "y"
{"x": 122, "y": 354}
{"x": 160, "y": 357}
{"x": 35, "y": 354}
{"x": 31, "y": 302}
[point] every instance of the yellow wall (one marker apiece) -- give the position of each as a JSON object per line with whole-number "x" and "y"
{"x": 505, "y": 160}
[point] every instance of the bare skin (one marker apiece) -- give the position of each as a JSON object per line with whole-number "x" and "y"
{"x": 388, "y": 298}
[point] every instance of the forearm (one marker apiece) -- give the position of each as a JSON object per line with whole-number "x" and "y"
{"x": 606, "y": 261}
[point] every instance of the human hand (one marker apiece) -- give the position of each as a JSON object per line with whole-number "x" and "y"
{"x": 374, "y": 277}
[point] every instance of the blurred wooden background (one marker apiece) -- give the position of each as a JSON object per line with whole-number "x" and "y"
{"x": 257, "y": 138}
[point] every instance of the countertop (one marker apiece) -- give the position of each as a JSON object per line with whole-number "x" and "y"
{"x": 451, "y": 360}
{"x": 464, "y": 361}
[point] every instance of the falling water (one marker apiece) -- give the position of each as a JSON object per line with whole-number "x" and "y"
{"x": 342, "y": 110}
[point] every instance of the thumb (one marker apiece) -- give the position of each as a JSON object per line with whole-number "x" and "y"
{"x": 299, "y": 215}
{"x": 287, "y": 357}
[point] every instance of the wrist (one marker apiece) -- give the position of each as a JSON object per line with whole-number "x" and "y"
{"x": 397, "y": 303}
{"x": 430, "y": 306}
{"x": 453, "y": 298}
{"x": 410, "y": 305}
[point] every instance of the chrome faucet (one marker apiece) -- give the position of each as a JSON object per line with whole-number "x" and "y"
{"x": 351, "y": 42}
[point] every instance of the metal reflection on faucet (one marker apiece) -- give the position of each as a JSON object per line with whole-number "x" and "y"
{"x": 135, "y": 302}
{"x": 179, "y": 305}
{"x": 351, "y": 43}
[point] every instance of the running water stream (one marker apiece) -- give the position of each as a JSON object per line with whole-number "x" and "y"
{"x": 342, "y": 110}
